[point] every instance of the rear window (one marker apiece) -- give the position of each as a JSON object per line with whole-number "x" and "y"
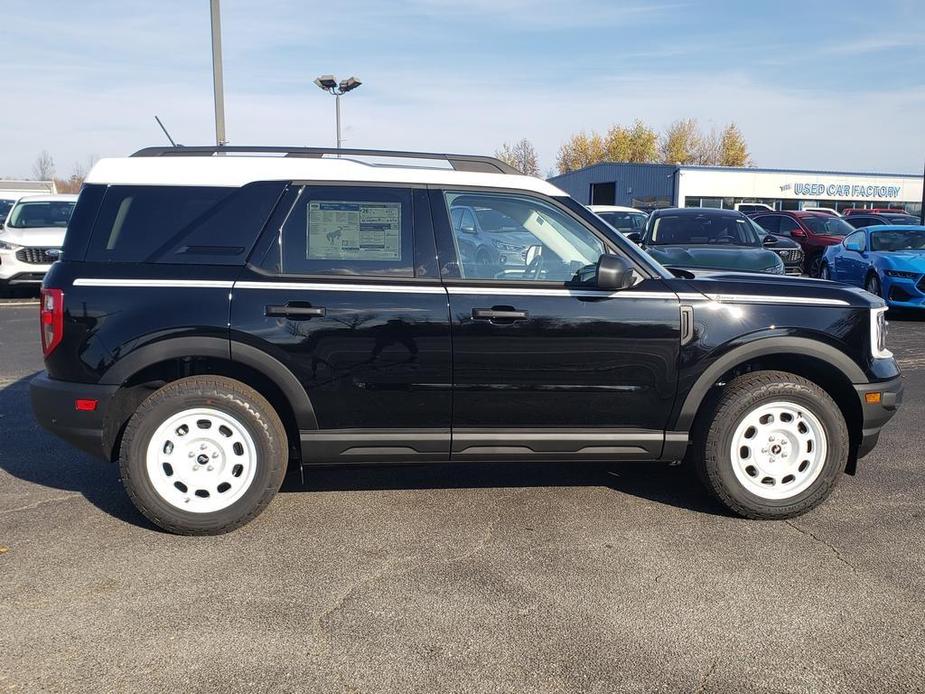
{"x": 181, "y": 224}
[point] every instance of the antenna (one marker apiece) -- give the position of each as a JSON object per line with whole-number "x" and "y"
{"x": 172, "y": 143}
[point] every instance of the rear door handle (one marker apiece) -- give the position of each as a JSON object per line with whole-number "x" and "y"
{"x": 498, "y": 314}
{"x": 296, "y": 310}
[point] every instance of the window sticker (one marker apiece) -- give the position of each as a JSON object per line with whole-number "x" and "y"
{"x": 349, "y": 230}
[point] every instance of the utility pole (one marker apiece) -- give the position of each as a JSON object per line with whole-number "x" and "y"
{"x": 217, "y": 85}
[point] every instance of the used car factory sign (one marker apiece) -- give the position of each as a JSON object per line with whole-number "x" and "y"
{"x": 839, "y": 190}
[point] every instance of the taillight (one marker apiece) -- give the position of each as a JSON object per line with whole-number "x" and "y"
{"x": 51, "y": 318}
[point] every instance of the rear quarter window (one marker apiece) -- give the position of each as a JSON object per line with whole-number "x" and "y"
{"x": 181, "y": 224}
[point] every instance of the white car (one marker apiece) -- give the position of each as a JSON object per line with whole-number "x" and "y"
{"x": 32, "y": 236}
{"x": 624, "y": 219}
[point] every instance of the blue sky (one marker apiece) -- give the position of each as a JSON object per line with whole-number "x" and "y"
{"x": 830, "y": 85}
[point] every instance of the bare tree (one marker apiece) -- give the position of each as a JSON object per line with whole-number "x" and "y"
{"x": 521, "y": 155}
{"x": 708, "y": 154}
{"x": 44, "y": 167}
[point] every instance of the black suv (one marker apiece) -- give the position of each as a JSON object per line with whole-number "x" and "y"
{"x": 214, "y": 317}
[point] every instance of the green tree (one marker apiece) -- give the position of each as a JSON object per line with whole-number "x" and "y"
{"x": 521, "y": 155}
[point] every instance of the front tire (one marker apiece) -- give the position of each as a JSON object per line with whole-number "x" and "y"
{"x": 815, "y": 266}
{"x": 203, "y": 455}
{"x": 773, "y": 447}
{"x": 824, "y": 272}
{"x": 872, "y": 284}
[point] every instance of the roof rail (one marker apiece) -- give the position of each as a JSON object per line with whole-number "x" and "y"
{"x": 459, "y": 162}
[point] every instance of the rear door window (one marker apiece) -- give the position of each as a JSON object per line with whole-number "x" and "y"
{"x": 352, "y": 231}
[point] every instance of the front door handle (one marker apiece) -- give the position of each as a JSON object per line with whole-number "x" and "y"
{"x": 492, "y": 314}
{"x": 296, "y": 310}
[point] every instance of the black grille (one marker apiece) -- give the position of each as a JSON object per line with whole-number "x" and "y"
{"x": 37, "y": 256}
{"x": 790, "y": 255}
{"x": 921, "y": 284}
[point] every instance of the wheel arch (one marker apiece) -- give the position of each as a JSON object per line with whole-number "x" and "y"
{"x": 147, "y": 368}
{"x": 824, "y": 365}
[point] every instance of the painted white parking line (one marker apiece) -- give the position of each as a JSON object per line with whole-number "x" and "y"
{"x": 16, "y": 304}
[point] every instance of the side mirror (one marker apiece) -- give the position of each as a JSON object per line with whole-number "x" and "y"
{"x": 634, "y": 236}
{"x": 614, "y": 273}
{"x": 769, "y": 240}
{"x": 798, "y": 233}
{"x": 467, "y": 230}
{"x": 533, "y": 252}
{"x": 854, "y": 245}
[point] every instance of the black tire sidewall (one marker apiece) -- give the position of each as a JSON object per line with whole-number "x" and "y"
{"x": 135, "y": 474}
{"x": 832, "y": 422}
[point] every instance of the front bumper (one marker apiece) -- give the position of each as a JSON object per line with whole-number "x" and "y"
{"x": 15, "y": 271}
{"x": 54, "y": 406}
{"x": 876, "y": 415}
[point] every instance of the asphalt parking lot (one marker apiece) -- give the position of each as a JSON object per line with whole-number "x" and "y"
{"x": 472, "y": 578}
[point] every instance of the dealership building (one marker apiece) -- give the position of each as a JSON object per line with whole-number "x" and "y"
{"x": 648, "y": 186}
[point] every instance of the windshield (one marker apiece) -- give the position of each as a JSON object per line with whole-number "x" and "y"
{"x": 895, "y": 240}
{"x": 827, "y": 225}
{"x": 625, "y": 221}
{"x": 33, "y": 215}
{"x": 702, "y": 229}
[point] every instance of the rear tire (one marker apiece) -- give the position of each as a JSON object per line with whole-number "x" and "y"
{"x": 773, "y": 447}
{"x": 824, "y": 272}
{"x": 203, "y": 455}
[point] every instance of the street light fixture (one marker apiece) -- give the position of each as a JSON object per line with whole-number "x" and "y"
{"x": 329, "y": 84}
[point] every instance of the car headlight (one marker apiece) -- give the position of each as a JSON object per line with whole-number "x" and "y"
{"x": 775, "y": 269}
{"x": 902, "y": 274}
{"x": 509, "y": 247}
{"x": 7, "y": 246}
{"x": 878, "y": 331}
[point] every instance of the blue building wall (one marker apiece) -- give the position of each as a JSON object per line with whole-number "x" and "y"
{"x": 635, "y": 183}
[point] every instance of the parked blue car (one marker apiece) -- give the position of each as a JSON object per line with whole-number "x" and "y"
{"x": 887, "y": 260}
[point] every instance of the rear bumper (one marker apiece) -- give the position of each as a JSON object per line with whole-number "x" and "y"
{"x": 875, "y": 416}
{"x": 53, "y": 403}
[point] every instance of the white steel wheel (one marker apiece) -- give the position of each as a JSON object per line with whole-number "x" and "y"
{"x": 778, "y": 450}
{"x": 201, "y": 460}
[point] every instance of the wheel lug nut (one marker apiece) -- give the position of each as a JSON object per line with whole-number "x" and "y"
{"x": 190, "y": 454}
{"x": 202, "y": 447}
{"x": 210, "y": 468}
{"x": 195, "y": 467}
{"x": 215, "y": 455}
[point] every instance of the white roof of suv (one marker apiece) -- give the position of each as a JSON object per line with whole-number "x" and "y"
{"x": 235, "y": 170}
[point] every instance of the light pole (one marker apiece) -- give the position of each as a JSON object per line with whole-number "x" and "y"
{"x": 338, "y": 89}
{"x": 217, "y": 85}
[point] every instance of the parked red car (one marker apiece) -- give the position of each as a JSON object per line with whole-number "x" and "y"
{"x": 814, "y": 231}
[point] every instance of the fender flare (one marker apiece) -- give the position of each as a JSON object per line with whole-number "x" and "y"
{"x": 220, "y": 348}
{"x": 765, "y": 346}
